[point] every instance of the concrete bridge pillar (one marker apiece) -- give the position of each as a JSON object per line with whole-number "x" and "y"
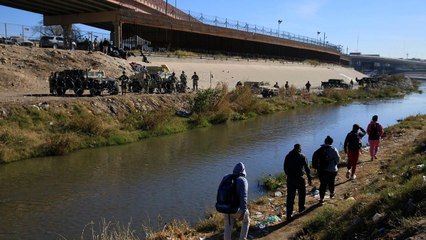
{"x": 118, "y": 33}
{"x": 68, "y": 35}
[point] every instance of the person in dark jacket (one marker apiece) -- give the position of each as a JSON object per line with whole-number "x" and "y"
{"x": 243, "y": 213}
{"x": 375, "y": 132}
{"x": 294, "y": 164}
{"x": 328, "y": 157}
{"x": 352, "y": 147}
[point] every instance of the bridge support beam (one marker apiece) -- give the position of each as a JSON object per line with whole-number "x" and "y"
{"x": 117, "y": 34}
{"x": 68, "y": 36}
{"x": 94, "y": 17}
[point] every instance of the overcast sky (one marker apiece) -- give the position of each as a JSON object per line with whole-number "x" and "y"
{"x": 390, "y": 28}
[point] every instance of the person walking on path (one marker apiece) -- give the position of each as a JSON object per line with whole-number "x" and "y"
{"x": 327, "y": 157}
{"x": 308, "y": 86}
{"x": 195, "y": 79}
{"x": 243, "y": 212}
{"x": 294, "y": 164}
{"x": 352, "y": 147}
{"x": 375, "y": 132}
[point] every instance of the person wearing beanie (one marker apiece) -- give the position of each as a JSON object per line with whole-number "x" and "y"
{"x": 327, "y": 157}
{"x": 352, "y": 147}
{"x": 375, "y": 133}
{"x": 294, "y": 164}
{"x": 243, "y": 213}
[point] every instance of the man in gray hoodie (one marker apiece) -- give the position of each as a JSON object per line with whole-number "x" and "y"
{"x": 243, "y": 213}
{"x": 328, "y": 158}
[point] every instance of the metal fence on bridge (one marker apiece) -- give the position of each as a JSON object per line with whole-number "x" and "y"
{"x": 252, "y": 28}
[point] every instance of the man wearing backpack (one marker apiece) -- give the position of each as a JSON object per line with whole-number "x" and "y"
{"x": 352, "y": 147}
{"x": 294, "y": 164}
{"x": 325, "y": 160}
{"x": 240, "y": 211}
{"x": 375, "y": 132}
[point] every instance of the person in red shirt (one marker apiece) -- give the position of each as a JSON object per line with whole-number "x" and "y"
{"x": 375, "y": 133}
{"x": 352, "y": 147}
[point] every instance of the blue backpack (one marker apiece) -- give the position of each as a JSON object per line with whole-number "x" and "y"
{"x": 227, "y": 200}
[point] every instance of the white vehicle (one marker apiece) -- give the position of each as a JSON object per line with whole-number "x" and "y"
{"x": 52, "y": 41}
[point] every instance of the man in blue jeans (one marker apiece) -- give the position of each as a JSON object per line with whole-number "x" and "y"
{"x": 243, "y": 214}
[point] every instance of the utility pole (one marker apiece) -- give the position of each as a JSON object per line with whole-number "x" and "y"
{"x": 166, "y": 6}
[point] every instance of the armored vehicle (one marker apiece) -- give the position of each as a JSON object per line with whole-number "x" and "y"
{"x": 81, "y": 80}
{"x": 335, "y": 83}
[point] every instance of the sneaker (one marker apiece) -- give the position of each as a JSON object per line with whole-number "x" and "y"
{"x": 331, "y": 195}
{"x": 375, "y": 156}
{"x": 372, "y": 158}
{"x": 302, "y": 210}
{"x": 321, "y": 202}
{"x": 353, "y": 177}
{"x": 348, "y": 173}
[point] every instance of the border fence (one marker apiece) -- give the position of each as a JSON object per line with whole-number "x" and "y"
{"x": 252, "y": 28}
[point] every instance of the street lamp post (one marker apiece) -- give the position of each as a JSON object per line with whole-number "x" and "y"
{"x": 324, "y": 38}
{"x": 279, "y": 23}
{"x": 318, "y": 33}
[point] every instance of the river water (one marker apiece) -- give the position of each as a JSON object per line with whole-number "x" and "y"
{"x": 172, "y": 177}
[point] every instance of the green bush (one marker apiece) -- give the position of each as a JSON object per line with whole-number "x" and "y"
{"x": 272, "y": 183}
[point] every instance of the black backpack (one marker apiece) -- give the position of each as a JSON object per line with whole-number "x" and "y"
{"x": 227, "y": 200}
{"x": 321, "y": 158}
{"x": 374, "y": 132}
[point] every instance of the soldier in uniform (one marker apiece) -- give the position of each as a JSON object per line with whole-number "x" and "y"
{"x": 173, "y": 80}
{"x": 308, "y": 86}
{"x": 124, "y": 79}
{"x": 195, "y": 79}
{"x": 183, "y": 79}
{"x": 276, "y": 85}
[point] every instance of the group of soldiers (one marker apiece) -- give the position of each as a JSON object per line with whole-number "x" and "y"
{"x": 155, "y": 83}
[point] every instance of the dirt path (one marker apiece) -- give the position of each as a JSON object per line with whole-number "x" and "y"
{"x": 367, "y": 171}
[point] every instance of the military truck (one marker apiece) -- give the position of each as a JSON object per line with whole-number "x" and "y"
{"x": 335, "y": 83}
{"x": 262, "y": 88}
{"x": 368, "y": 81}
{"x": 155, "y": 79}
{"x": 79, "y": 80}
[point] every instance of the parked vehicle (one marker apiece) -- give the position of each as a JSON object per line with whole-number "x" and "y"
{"x": 81, "y": 80}
{"x": 52, "y": 42}
{"x": 262, "y": 88}
{"x": 26, "y": 43}
{"x": 335, "y": 83}
{"x": 368, "y": 81}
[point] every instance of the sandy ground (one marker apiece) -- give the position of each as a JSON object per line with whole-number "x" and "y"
{"x": 24, "y": 71}
{"x": 231, "y": 71}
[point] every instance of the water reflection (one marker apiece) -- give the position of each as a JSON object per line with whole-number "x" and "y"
{"x": 174, "y": 176}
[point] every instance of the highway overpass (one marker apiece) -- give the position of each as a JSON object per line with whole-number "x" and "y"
{"x": 373, "y": 64}
{"x": 168, "y": 27}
